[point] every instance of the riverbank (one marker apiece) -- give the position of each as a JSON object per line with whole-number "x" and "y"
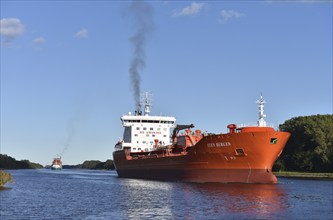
{"x": 304, "y": 175}
{"x": 5, "y": 178}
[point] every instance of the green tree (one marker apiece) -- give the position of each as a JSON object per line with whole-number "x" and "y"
{"x": 97, "y": 165}
{"x": 107, "y": 165}
{"x": 310, "y": 147}
{"x": 90, "y": 164}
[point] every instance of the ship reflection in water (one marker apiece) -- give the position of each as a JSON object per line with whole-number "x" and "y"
{"x": 202, "y": 201}
{"x": 252, "y": 200}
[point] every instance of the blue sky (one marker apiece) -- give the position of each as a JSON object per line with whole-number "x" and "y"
{"x": 65, "y": 78}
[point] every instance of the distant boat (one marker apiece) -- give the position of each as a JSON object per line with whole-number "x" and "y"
{"x": 56, "y": 163}
{"x": 245, "y": 154}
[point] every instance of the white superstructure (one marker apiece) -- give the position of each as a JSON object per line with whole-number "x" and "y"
{"x": 144, "y": 132}
{"x": 56, "y": 166}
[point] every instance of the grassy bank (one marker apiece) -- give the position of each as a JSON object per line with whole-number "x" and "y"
{"x": 5, "y": 178}
{"x": 304, "y": 175}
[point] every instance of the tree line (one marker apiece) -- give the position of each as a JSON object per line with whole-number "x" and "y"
{"x": 310, "y": 147}
{"x": 93, "y": 164}
{"x": 7, "y": 162}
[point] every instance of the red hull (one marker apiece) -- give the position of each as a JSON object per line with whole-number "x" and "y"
{"x": 245, "y": 157}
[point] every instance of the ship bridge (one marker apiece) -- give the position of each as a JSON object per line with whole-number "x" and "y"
{"x": 142, "y": 132}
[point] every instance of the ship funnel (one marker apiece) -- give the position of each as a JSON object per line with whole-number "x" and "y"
{"x": 138, "y": 110}
{"x": 262, "y": 116}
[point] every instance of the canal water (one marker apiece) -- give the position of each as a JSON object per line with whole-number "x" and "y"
{"x": 87, "y": 194}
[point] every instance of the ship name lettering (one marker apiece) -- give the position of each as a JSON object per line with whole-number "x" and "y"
{"x": 152, "y": 132}
{"x": 219, "y": 144}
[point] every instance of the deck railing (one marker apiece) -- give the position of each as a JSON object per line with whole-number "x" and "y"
{"x": 255, "y": 124}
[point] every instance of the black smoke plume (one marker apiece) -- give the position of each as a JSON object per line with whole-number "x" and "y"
{"x": 141, "y": 14}
{"x": 71, "y": 124}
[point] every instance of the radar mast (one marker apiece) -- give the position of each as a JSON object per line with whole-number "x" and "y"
{"x": 262, "y": 116}
{"x": 146, "y": 99}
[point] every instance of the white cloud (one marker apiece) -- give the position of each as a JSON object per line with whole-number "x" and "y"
{"x": 193, "y": 9}
{"x": 39, "y": 40}
{"x": 10, "y": 28}
{"x": 83, "y": 33}
{"x": 225, "y": 15}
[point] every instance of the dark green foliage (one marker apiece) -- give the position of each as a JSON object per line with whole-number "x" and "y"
{"x": 89, "y": 164}
{"x": 70, "y": 166}
{"x": 310, "y": 147}
{"x": 97, "y": 165}
{"x": 107, "y": 165}
{"x": 7, "y": 162}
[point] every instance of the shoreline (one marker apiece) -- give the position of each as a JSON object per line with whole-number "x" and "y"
{"x": 303, "y": 175}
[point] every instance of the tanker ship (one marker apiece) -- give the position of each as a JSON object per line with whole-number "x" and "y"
{"x": 56, "y": 163}
{"x": 154, "y": 147}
